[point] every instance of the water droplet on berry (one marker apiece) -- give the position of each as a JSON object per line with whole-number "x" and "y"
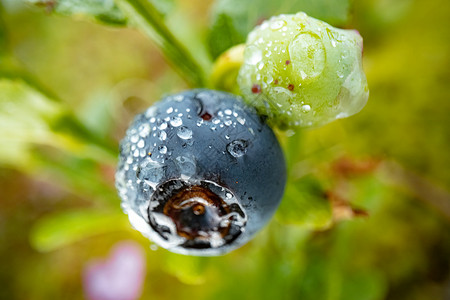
{"x": 162, "y": 149}
{"x": 151, "y": 112}
{"x": 237, "y": 148}
{"x": 307, "y": 54}
{"x": 306, "y": 108}
{"x": 277, "y": 25}
{"x": 144, "y": 130}
{"x": 134, "y": 138}
{"x": 178, "y": 98}
{"x": 253, "y": 55}
{"x": 186, "y": 166}
{"x": 176, "y": 121}
{"x": 150, "y": 172}
{"x": 162, "y": 135}
{"x": 241, "y": 120}
{"x": 184, "y": 133}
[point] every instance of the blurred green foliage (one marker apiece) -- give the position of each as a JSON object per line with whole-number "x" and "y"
{"x": 69, "y": 88}
{"x": 232, "y": 20}
{"x": 103, "y": 11}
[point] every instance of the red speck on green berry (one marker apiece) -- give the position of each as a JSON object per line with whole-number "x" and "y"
{"x": 256, "y": 89}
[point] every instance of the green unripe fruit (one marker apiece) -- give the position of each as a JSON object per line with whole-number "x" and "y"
{"x": 302, "y": 72}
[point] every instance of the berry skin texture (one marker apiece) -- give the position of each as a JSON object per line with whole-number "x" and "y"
{"x": 200, "y": 173}
{"x": 309, "y": 72}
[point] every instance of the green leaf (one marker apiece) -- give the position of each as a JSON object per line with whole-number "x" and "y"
{"x": 305, "y": 205}
{"x": 223, "y": 35}
{"x": 62, "y": 229}
{"x": 82, "y": 176}
{"x": 24, "y": 120}
{"x": 232, "y": 20}
{"x": 29, "y": 119}
{"x": 104, "y": 11}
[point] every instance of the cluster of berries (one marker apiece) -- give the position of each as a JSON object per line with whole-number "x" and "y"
{"x": 200, "y": 172}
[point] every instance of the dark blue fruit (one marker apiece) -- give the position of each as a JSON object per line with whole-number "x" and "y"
{"x": 200, "y": 173}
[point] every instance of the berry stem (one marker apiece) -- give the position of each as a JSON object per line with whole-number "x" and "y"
{"x": 149, "y": 20}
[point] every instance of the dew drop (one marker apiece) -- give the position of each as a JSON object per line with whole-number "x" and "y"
{"x": 151, "y": 112}
{"x": 150, "y": 171}
{"x": 162, "y": 126}
{"x": 237, "y": 148}
{"x": 162, "y": 135}
{"x": 162, "y": 149}
{"x": 184, "y": 133}
{"x": 141, "y": 144}
{"x": 176, "y": 121}
{"x": 186, "y": 166}
{"x": 306, "y": 108}
{"x": 144, "y": 130}
{"x": 178, "y": 98}
{"x": 277, "y": 25}
{"x": 169, "y": 110}
{"x": 252, "y": 55}
{"x": 134, "y": 138}
{"x": 307, "y": 54}
{"x": 241, "y": 120}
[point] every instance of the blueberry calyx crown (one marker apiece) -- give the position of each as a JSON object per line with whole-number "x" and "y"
{"x": 200, "y": 215}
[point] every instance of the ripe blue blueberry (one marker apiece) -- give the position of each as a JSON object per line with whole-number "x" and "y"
{"x": 200, "y": 173}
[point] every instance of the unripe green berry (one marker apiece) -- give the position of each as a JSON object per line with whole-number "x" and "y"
{"x": 302, "y": 72}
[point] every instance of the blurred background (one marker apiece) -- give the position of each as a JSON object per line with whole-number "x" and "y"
{"x": 367, "y": 206}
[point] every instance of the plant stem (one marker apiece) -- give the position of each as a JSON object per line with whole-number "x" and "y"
{"x": 148, "y": 19}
